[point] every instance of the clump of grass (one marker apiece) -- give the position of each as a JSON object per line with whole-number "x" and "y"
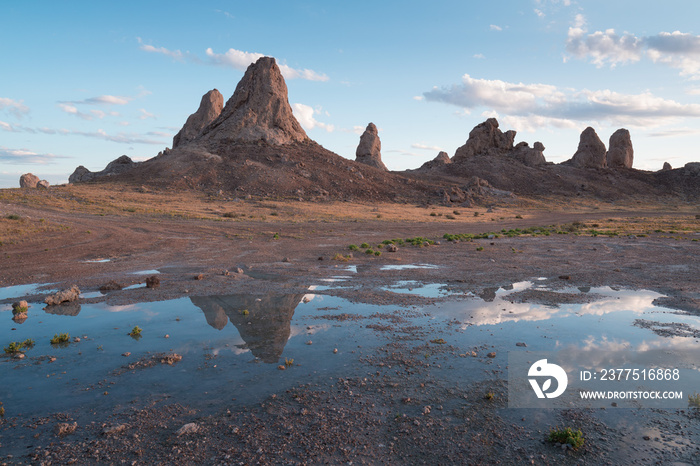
{"x": 13, "y": 217}
{"x": 567, "y": 436}
{"x": 353, "y": 247}
{"x": 136, "y": 332}
{"x": 489, "y": 396}
{"x": 20, "y": 310}
{"x": 341, "y": 258}
{"x": 61, "y": 338}
{"x": 457, "y": 212}
{"x": 19, "y": 347}
{"x": 433, "y": 214}
{"x": 245, "y": 312}
{"x": 364, "y": 245}
{"x": 519, "y": 216}
{"x": 377, "y": 253}
{"x": 370, "y": 251}
{"x": 276, "y": 236}
{"x": 450, "y": 217}
{"x": 480, "y": 248}
{"x": 694, "y": 400}
{"x": 438, "y": 341}
{"x": 288, "y": 362}
{"x": 476, "y": 214}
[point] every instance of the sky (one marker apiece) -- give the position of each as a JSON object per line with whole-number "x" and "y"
{"x": 82, "y": 83}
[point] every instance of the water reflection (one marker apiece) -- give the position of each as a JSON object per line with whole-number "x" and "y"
{"x": 65, "y": 309}
{"x": 263, "y": 323}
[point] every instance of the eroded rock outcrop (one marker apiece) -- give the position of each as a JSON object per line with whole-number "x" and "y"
{"x": 210, "y": 108}
{"x": 667, "y": 166}
{"x": 530, "y": 156}
{"x": 369, "y": 151}
{"x": 442, "y": 159}
{"x": 28, "y": 180}
{"x": 620, "y": 152}
{"x": 591, "y": 151}
{"x": 486, "y": 139}
{"x": 258, "y": 110}
{"x": 115, "y": 167}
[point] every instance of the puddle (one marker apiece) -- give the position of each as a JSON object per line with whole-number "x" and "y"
{"x": 135, "y": 286}
{"x": 18, "y": 291}
{"x": 91, "y": 294}
{"x": 97, "y": 261}
{"x": 409, "y": 266}
{"x": 146, "y": 272}
{"x": 429, "y": 290}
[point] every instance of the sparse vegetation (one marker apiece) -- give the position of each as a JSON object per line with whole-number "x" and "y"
{"x": 364, "y": 246}
{"x": 489, "y": 396}
{"x": 353, "y": 247}
{"x": 567, "y": 436}
{"x": 20, "y": 310}
{"x": 480, "y": 248}
{"x": 136, "y": 332}
{"x": 342, "y": 258}
{"x": 245, "y": 312}
{"x": 438, "y": 341}
{"x": 61, "y": 338}
{"x": 694, "y": 400}
{"x": 377, "y": 253}
{"x": 13, "y": 217}
{"x": 288, "y": 362}
{"x": 276, "y": 236}
{"x": 19, "y": 347}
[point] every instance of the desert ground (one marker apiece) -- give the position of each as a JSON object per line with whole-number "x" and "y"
{"x": 398, "y": 397}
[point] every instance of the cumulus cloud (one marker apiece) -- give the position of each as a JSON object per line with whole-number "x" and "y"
{"x": 143, "y": 114}
{"x": 15, "y": 107}
{"x": 676, "y": 49}
{"x": 73, "y": 110}
{"x": 305, "y": 115}
{"x": 493, "y": 27}
{"x": 427, "y": 147}
{"x": 24, "y": 156}
{"x": 539, "y": 105}
{"x": 240, "y": 60}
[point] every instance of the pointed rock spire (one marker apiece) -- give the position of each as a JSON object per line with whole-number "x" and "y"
{"x": 209, "y": 109}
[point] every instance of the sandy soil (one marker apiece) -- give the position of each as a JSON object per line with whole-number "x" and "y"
{"x": 354, "y": 419}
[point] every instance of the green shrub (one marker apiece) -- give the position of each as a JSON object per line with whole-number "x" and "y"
{"x": 364, "y": 245}
{"x": 136, "y": 332}
{"x": 353, "y": 247}
{"x": 567, "y": 436}
{"x": 60, "y": 338}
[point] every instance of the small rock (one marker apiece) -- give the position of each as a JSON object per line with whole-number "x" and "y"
{"x": 522, "y": 344}
{"x": 76, "y": 340}
{"x": 225, "y": 273}
{"x": 166, "y": 336}
{"x": 309, "y": 342}
{"x": 20, "y": 307}
{"x": 191, "y": 428}
{"x": 111, "y": 286}
{"x": 126, "y": 355}
{"x": 565, "y": 277}
{"x": 491, "y": 354}
{"x": 199, "y": 276}
{"x": 426, "y": 410}
{"x": 646, "y": 437}
{"x": 239, "y": 270}
{"x": 114, "y": 430}
{"x": 286, "y": 259}
{"x": 170, "y": 359}
{"x": 320, "y": 258}
{"x": 281, "y": 367}
{"x": 153, "y": 281}
{"x": 52, "y": 359}
{"x": 335, "y": 350}
{"x": 64, "y": 428}
{"x": 392, "y": 247}
{"x": 18, "y": 356}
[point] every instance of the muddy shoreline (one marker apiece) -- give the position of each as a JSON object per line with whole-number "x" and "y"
{"x": 394, "y": 404}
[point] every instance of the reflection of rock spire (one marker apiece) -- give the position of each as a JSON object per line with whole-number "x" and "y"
{"x": 266, "y": 325}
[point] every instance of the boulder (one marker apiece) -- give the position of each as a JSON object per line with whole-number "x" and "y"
{"x": 530, "y": 156}
{"x": 28, "y": 180}
{"x": 591, "y": 151}
{"x": 692, "y": 168}
{"x": 620, "y": 152}
{"x": 43, "y": 184}
{"x": 115, "y": 167}
{"x": 666, "y": 167}
{"x": 369, "y": 151}
{"x": 442, "y": 159}
{"x": 257, "y": 111}
{"x": 209, "y": 109}
{"x": 63, "y": 296}
{"x": 486, "y": 139}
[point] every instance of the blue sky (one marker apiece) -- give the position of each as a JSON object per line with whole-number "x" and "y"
{"x": 82, "y": 83}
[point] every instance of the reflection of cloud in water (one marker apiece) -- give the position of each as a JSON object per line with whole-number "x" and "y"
{"x": 297, "y": 330}
{"x": 496, "y": 308}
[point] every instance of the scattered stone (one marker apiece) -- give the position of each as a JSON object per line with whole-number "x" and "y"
{"x": 114, "y": 430}
{"x": 43, "y": 184}
{"x": 521, "y": 344}
{"x": 18, "y": 355}
{"x": 491, "y": 354}
{"x": 239, "y": 271}
{"x": 392, "y": 247}
{"x": 76, "y": 340}
{"x": 335, "y": 350}
{"x": 369, "y": 151}
{"x": 170, "y": 359}
{"x": 620, "y": 152}
{"x": 166, "y": 336}
{"x": 111, "y": 286}
{"x": 153, "y": 281}
{"x": 309, "y": 342}
{"x": 28, "y": 180}
{"x": 191, "y": 428}
{"x": 564, "y": 277}
{"x": 281, "y": 367}
{"x": 426, "y": 410}
{"x": 126, "y": 355}
{"x": 225, "y": 273}
{"x": 286, "y": 259}
{"x": 199, "y": 276}
{"x": 646, "y": 437}
{"x": 63, "y": 296}
{"x": 64, "y": 428}
{"x": 591, "y": 151}
{"x": 210, "y": 108}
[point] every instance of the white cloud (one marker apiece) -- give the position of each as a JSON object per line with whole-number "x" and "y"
{"x": 418, "y": 97}
{"x": 72, "y": 110}
{"x": 305, "y": 115}
{"x": 7, "y": 127}
{"x": 427, "y": 147}
{"x": 480, "y": 56}
{"x": 24, "y": 156}
{"x": 547, "y": 105}
{"x": 144, "y": 114}
{"x": 175, "y": 54}
{"x": 493, "y": 27}
{"x": 539, "y": 13}
{"x": 15, "y": 107}
{"x": 240, "y": 60}
{"x": 676, "y": 49}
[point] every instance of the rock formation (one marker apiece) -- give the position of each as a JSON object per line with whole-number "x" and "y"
{"x": 28, "y": 180}
{"x": 439, "y": 161}
{"x": 620, "y": 152}
{"x": 43, "y": 184}
{"x": 114, "y": 167}
{"x": 666, "y": 167}
{"x": 209, "y": 109}
{"x": 530, "y": 156}
{"x": 369, "y": 151}
{"x": 486, "y": 139}
{"x": 258, "y": 110}
{"x": 591, "y": 151}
